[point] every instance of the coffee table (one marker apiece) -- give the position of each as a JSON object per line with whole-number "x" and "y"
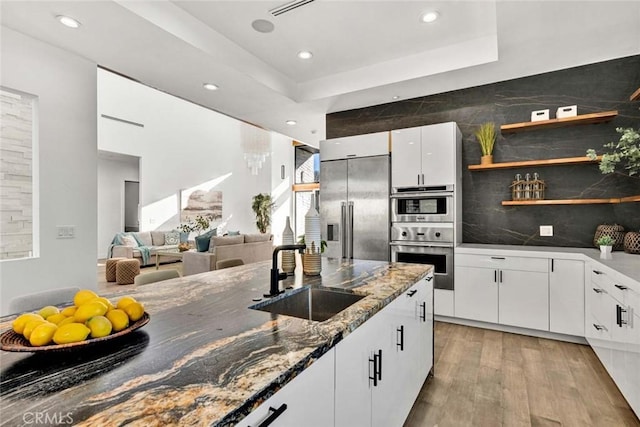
{"x": 173, "y": 253}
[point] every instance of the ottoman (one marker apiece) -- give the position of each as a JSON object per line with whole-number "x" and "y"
{"x": 126, "y": 271}
{"x": 110, "y": 269}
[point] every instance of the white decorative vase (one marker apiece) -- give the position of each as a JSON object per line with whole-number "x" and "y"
{"x": 606, "y": 250}
{"x": 312, "y": 226}
{"x": 288, "y": 257}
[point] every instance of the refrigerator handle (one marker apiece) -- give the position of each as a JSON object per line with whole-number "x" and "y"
{"x": 350, "y": 219}
{"x": 343, "y": 227}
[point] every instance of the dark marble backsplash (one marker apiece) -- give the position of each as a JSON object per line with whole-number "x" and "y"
{"x": 593, "y": 88}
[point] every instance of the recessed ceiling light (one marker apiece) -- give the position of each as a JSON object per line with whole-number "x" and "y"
{"x": 262, "y": 26}
{"x": 429, "y": 16}
{"x": 305, "y": 54}
{"x": 210, "y": 86}
{"x": 68, "y": 21}
{"x": 395, "y": 97}
{"x": 291, "y": 122}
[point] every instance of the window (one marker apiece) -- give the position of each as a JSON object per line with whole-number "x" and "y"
{"x": 307, "y": 178}
{"x": 18, "y": 175}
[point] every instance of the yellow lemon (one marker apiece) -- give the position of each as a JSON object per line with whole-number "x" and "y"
{"x": 119, "y": 319}
{"x": 21, "y": 321}
{"x": 71, "y": 332}
{"x": 105, "y": 301}
{"x": 90, "y": 309}
{"x": 56, "y": 318}
{"x": 125, "y": 301}
{"x": 69, "y": 319}
{"x": 48, "y": 311}
{"x": 100, "y": 326}
{"x": 84, "y": 296}
{"x": 42, "y": 334}
{"x": 30, "y": 326}
{"x": 135, "y": 310}
{"x": 69, "y": 311}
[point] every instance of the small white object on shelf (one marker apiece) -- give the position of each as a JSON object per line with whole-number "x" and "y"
{"x": 568, "y": 111}
{"x": 540, "y": 115}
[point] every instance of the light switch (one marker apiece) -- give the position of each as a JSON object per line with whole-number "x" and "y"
{"x": 66, "y": 231}
{"x": 546, "y": 230}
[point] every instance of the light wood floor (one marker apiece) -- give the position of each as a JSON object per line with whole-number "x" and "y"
{"x": 490, "y": 378}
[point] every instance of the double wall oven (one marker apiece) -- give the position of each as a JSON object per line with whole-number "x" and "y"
{"x": 422, "y": 230}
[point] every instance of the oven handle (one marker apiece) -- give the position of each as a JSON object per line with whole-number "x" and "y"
{"x": 425, "y": 195}
{"x": 423, "y": 244}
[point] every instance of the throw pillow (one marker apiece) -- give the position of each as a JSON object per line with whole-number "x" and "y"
{"x": 129, "y": 240}
{"x": 227, "y": 240}
{"x": 157, "y": 238}
{"x": 171, "y": 237}
{"x": 233, "y": 233}
{"x": 252, "y": 238}
{"x": 202, "y": 241}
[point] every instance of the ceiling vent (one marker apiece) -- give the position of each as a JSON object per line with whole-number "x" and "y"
{"x": 288, "y": 7}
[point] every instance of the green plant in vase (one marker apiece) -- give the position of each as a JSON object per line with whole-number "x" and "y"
{"x": 486, "y": 137}
{"x": 262, "y": 204}
{"x": 605, "y": 243}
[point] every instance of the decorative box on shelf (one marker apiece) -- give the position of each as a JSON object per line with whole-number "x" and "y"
{"x": 568, "y": 111}
{"x": 540, "y": 115}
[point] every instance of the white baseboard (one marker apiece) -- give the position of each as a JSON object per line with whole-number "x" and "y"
{"x": 513, "y": 329}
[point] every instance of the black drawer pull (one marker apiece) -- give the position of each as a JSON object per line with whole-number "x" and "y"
{"x": 428, "y": 279}
{"x": 401, "y": 343}
{"x": 374, "y": 361}
{"x": 412, "y": 293}
{"x": 621, "y": 287}
{"x": 423, "y": 314}
{"x": 275, "y": 413}
{"x": 598, "y": 327}
{"x": 598, "y": 290}
{"x": 597, "y": 272}
{"x": 380, "y": 365}
{"x": 497, "y": 257}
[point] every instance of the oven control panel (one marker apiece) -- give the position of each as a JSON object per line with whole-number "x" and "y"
{"x": 406, "y": 232}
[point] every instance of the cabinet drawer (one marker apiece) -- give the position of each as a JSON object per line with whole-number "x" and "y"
{"x": 601, "y": 278}
{"x": 503, "y": 262}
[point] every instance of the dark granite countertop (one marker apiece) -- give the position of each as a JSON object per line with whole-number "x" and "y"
{"x": 204, "y": 359}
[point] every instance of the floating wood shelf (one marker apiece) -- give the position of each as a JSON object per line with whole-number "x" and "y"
{"x": 311, "y": 186}
{"x": 556, "y": 123}
{"x": 635, "y": 96}
{"x": 527, "y": 163}
{"x": 614, "y": 200}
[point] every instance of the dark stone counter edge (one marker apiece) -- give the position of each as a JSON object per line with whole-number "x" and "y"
{"x": 235, "y": 416}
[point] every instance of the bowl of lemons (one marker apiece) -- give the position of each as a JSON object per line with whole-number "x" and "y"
{"x": 89, "y": 320}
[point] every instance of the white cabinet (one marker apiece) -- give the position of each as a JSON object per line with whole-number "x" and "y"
{"x": 372, "y": 144}
{"x": 425, "y": 155}
{"x": 566, "y": 296}
{"x": 613, "y": 328}
{"x": 382, "y": 365}
{"x": 510, "y": 291}
{"x": 309, "y": 397}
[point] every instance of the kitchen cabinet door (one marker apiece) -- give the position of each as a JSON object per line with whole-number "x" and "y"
{"x": 439, "y": 154}
{"x": 566, "y": 297}
{"x": 406, "y": 165}
{"x": 353, "y": 372}
{"x": 523, "y": 299}
{"x": 309, "y": 397}
{"x": 476, "y": 294}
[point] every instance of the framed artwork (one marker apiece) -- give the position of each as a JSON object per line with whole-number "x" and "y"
{"x": 200, "y": 202}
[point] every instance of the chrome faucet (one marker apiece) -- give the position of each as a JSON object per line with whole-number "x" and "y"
{"x": 276, "y": 276}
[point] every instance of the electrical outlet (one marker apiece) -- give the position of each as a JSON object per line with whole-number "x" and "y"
{"x": 546, "y": 230}
{"x": 66, "y": 231}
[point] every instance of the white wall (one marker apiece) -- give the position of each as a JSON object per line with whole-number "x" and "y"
{"x": 111, "y": 176}
{"x": 182, "y": 145}
{"x": 65, "y": 85}
{"x": 282, "y": 153}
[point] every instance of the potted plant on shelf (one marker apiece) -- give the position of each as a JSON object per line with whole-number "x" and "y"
{"x": 606, "y": 244}
{"x": 486, "y": 137}
{"x": 262, "y": 204}
{"x": 625, "y": 151}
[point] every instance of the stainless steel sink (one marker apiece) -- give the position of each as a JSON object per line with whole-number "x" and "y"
{"x": 310, "y": 303}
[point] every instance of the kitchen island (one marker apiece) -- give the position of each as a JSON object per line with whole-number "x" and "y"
{"x": 205, "y": 358}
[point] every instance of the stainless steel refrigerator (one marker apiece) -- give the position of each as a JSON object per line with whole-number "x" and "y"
{"x": 354, "y": 207}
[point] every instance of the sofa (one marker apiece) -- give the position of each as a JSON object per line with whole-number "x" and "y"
{"x": 132, "y": 245}
{"x": 247, "y": 247}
